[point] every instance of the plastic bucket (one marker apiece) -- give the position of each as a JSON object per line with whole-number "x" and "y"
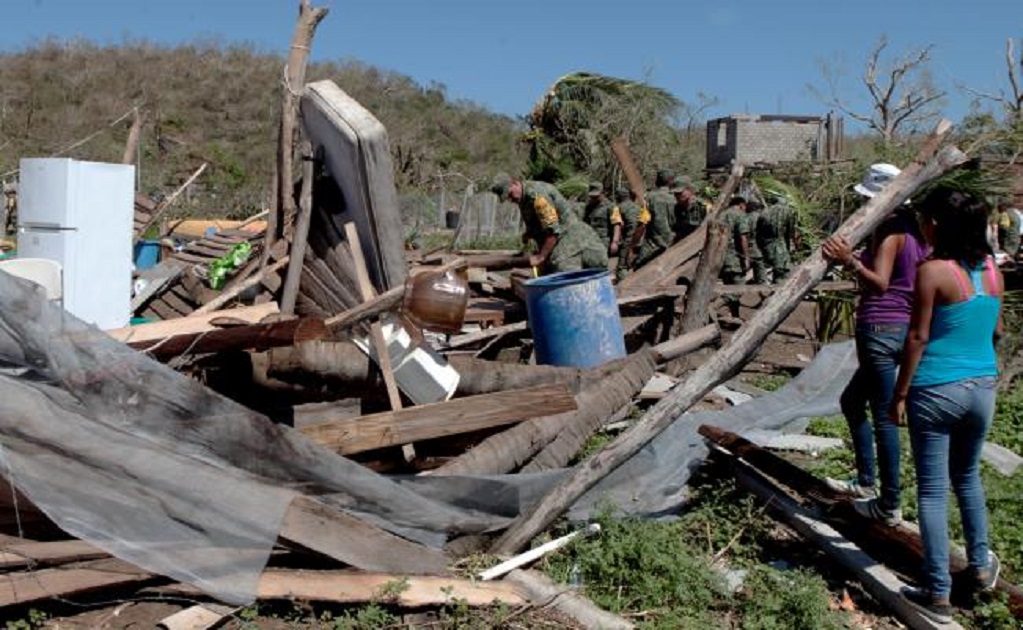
{"x": 147, "y": 254}
{"x": 574, "y": 318}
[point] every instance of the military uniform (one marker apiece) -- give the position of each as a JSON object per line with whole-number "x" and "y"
{"x": 1008, "y": 232}
{"x": 756, "y": 255}
{"x": 688, "y": 217}
{"x": 657, "y": 218}
{"x": 774, "y": 229}
{"x": 738, "y": 226}
{"x": 629, "y": 211}
{"x": 602, "y": 215}
{"x": 544, "y": 210}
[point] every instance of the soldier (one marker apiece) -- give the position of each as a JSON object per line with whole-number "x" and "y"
{"x": 563, "y": 241}
{"x": 629, "y": 210}
{"x": 604, "y": 217}
{"x": 1008, "y": 230}
{"x": 655, "y": 223}
{"x": 756, "y": 255}
{"x": 689, "y": 211}
{"x": 737, "y": 258}
{"x": 777, "y": 237}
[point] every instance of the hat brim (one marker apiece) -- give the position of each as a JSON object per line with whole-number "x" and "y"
{"x": 863, "y": 190}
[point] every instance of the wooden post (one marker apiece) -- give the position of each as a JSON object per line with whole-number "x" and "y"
{"x": 376, "y": 331}
{"x": 300, "y": 238}
{"x": 701, "y": 291}
{"x": 739, "y": 349}
{"x": 293, "y": 82}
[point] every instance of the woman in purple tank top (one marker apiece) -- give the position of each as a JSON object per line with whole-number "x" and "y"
{"x": 886, "y": 271}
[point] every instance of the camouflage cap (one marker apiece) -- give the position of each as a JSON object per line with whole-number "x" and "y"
{"x": 622, "y": 192}
{"x": 501, "y": 185}
{"x": 596, "y": 189}
{"x": 664, "y": 177}
{"x": 682, "y": 183}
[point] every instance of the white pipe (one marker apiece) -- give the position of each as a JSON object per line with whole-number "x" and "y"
{"x": 534, "y": 554}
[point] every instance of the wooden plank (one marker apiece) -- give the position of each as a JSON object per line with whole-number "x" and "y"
{"x": 31, "y": 553}
{"x": 62, "y": 582}
{"x": 191, "y": 324}
{"x": 163, "y": 311}
{"x": 341, "y": 536}
{"x": 198, "y": 617}
{"x": 175, "y": 302}
{"x": 261, "y": 336}
{"x": 231, "y": 293}
{"x": 461, "y": 415}
{"x": 156, "y": 279}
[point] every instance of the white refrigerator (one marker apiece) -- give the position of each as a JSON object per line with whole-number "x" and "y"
{"x": 81, "y": 215}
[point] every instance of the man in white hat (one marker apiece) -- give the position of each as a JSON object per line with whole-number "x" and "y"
{"x": 876, "y": 178}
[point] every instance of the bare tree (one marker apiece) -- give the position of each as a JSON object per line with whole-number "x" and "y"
{"x": 901, "y": 91}
{"x": 1011, "y": 100}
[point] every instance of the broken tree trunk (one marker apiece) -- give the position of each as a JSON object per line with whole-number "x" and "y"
{"x": 684, "y": 344}
{"x": 299, "y": 239}
{"x": 423, "y": 422}
{"x": 541, "y": 590}
{"x": 701, "y": 291}
{"x": 575, "y": 431}
{"x": 929, "y": 164}
{"x": 511, "y": 449}
{"x": 292, "y": 84}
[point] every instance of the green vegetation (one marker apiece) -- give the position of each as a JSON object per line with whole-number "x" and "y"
{"x": 670, "y": 574}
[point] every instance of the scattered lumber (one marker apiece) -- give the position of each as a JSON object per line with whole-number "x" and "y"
{"x": 882, "y": 584}
{"x": 422, "y": 422}
{"x": 231, "y": 293}
{"x": 29, "y": 553}
{"x": 899, "y": 546}
{"x": 930, "y": 163}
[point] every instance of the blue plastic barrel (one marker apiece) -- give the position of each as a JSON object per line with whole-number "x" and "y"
{"x": 574, "y": 318}
{"x": 147, "y": 254}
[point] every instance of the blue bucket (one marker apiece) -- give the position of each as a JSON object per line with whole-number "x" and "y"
{"x": 147, "y": 254}
{"x": 574, "y": 318}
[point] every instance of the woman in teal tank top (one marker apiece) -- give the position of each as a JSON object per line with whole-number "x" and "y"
{"x": 946, "y": 388}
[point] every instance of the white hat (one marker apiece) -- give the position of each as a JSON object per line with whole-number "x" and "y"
{"x": 876, "y": 178}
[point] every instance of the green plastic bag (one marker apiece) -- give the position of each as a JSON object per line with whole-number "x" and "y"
{"x": 220, "y": 268}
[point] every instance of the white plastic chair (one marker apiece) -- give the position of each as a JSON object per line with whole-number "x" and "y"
{"x": 47, "y": 273}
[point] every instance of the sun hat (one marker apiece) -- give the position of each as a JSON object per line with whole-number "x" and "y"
{"x": 876, "y": 178}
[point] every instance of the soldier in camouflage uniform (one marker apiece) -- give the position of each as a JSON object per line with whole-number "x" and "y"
{"x": 776, "y": 236}
{"x": 563, "y": 241}
{"x": 604, "y": 217}
{"x": 756, "y": 255}
{"x": 1008, "y": 230}
{"x": 737, "y": 258}
{"x": 628, "y": 209}
{"x": 689, "y": 212}
{"x": 656, "y": 219}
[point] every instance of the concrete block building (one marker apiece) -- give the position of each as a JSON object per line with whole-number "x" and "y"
{"x": 771, "y": 139}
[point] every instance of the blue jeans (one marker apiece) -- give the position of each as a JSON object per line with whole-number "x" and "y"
{"x": 879, "y": 350}
{"x": 947, "y": 426}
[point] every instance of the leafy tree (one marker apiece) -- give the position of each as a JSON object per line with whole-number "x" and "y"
{"x": 572, "y": 125}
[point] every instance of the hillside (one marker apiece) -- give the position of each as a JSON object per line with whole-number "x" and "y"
{"x": 204, "y": 102}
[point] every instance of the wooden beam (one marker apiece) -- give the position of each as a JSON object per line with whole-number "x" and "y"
{"x": 394, "y": 589}
{"x": 929, "y": 164}
{"x": 461, "y": 415}
{"x": 299, "y": 240}
{"x": 247, "y": 337}
{"x": 26, "y": 587}
{"x": 194, "y": 323}
{"x": 31, "y": 553}
{"x": 341, "y": 536}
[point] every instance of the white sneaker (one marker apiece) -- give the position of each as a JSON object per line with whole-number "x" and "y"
{"x": 851, "y": 487}
{"x": 871, "y": 508}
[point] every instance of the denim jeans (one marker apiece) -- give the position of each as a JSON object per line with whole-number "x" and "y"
{"x": 947, "y": 426}
{"x": 879, "y": 350}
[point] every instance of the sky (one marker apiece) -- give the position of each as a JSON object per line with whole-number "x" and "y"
{"x": 751, "y": 56}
